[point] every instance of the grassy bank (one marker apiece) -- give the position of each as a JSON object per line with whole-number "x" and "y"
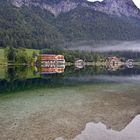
{"x": 30, "y": 52}
{"x": 3, "y": 60}
{"x": 2, "y": 57}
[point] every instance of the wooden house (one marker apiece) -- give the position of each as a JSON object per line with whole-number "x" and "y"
{"x": 51, "y": 60}
{"x": 51, "y": 57}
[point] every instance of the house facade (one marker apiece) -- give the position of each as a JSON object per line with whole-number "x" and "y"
{"x": 51, "y": 59}
{"x": 51, "y": 63}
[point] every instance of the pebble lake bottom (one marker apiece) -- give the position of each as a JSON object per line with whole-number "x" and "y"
{"x": 76, "y": 105}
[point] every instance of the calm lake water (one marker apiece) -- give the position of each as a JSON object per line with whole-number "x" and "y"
{"x": 91, "y": 103}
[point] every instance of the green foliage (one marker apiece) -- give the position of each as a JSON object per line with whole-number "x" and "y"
{"x": 10, "y": 54}
{"x": 2, "y": 57}
{"x": 30, "y": 52}
{"x": 71, "y": 56}
{"x": 86, "y": 24}
{"x": 21, "y": 56}
{"x": 23, "y": 28}
{"x": 16, "y": 72}
{"x": 16, "y": 56}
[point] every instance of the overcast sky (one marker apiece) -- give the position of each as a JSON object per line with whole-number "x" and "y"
{"x": 137, "y": 2}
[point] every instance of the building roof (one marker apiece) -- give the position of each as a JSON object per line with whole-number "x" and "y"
{"x": 51, "y": 57}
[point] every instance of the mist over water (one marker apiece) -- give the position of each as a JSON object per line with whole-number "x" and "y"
{"x": 134, "y": 79}
{"x": 106, "y": 46}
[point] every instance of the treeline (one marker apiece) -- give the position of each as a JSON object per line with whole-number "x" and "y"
{"x": 17, "y": 56}
{"x": 124, "y": 54}
{"x": 86, "y": 24}
{"x": 71, "y": 56}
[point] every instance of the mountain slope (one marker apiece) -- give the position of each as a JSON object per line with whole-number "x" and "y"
{"x": 90, "y": 24}
{"x": 48, "y": 23}
{"x": 117, "y": 8}
{"x": 23, "y": 28}
{"x": 110, "y": 7}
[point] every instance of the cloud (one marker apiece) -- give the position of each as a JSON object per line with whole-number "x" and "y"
{"x": 137, "y": 2}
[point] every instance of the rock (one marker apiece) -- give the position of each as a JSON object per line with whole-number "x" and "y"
{"x": 111, "y": 7}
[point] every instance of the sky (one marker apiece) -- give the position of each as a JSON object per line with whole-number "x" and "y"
{"x": 137, "y": 2}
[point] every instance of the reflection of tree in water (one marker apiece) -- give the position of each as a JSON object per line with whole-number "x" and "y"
{"x": 20, "y": 78}
{"x": 16, "y": 72}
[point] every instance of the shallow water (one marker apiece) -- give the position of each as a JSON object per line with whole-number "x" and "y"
{"x": 81, "y": 104}
{"x": 99, "y": 131}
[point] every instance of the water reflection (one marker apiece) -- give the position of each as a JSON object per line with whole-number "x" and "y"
{"x": 50, "y": 70}
{"x": 23, "y": 78}
{"x": 14, "y": 73}
{"x": 64, "y": 112}
{"x": 52, "y": 105}
{"x": 99, "y": 131}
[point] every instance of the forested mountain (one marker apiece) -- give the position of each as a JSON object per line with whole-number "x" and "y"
{"x": 49, "y": 23}
{"x": 24, "y": 28}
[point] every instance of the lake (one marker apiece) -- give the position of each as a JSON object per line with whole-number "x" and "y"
{"x": 88, "y": 103}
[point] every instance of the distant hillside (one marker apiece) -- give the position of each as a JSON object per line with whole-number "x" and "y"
{"x": 90, "y": 24}
{"x": 30, "y": 26}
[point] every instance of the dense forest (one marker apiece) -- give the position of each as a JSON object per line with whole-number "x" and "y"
{"x": 36, "y": 28}
{"x": 72, "y": 56}
{"x": 17, "y": 56}
{"x": 23, "y": 28}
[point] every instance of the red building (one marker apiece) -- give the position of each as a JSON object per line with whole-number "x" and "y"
{"x": 51, "y": 63}
{"x": 52, "y": 57}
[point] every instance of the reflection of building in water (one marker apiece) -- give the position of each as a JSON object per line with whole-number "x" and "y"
{"x": 79, "y": 63}
{"x": 51, "y": 63}
{"x": 114, "y": 63}
{"x": 129, "y": 63}
{"x": 51, "y": 70}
